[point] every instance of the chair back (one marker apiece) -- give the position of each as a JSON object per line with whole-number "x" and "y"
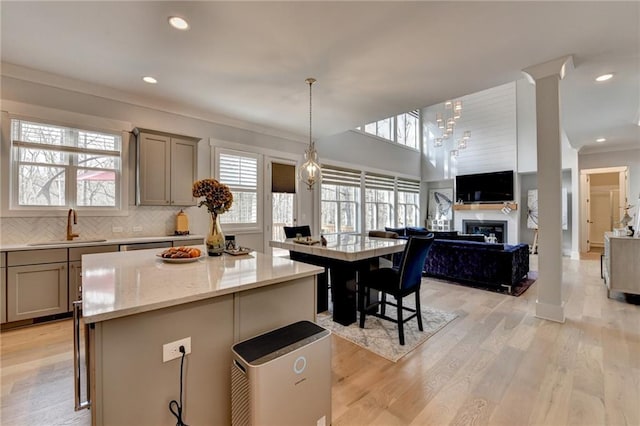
{"x": 413, "y": 258}
{"x": 292, "y": 231}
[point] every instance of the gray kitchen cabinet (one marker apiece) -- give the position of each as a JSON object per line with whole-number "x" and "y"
{"x": 75, "y": 268}
{"x": 166, "y": 168}
{"x": 37, "y": 283}
{"x": 3, "y": 288}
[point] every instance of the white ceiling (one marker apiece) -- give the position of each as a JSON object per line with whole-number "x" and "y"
{"x": 248, "y": 60}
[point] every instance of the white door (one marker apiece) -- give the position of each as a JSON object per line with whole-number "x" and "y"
{"x": 585, "y": 214}
{"x": 283, "y": 208}
{"x": 601, "y": 217}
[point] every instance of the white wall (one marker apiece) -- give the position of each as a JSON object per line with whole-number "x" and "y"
{"x": 350, "y": 148}
{"x": 360, "y": 149}
{"x": 490, "y": 115}
{"x": 155, "y": 220}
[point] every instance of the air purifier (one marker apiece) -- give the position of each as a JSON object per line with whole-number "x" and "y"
{"x": 283, "y": 377}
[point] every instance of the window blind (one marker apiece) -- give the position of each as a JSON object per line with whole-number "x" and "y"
{"x": 338, "y": 176}
{"x": 374, "y": 181}
{"x": 409, "y": 185}
{"x": 283, "y": 178}
{"x": 239, "y": 172}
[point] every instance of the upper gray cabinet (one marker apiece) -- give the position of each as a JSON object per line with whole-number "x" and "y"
{"x": 166, "y": 168}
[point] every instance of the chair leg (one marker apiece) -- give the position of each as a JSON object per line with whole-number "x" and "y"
{"x": 363, "y": 310}
{"x": 400, "y": 322}
{"x": 418, "y": 310}
{"x": 383, "y": 302}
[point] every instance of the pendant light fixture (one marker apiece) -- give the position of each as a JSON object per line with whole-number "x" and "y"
{"x": 310, "y": 169}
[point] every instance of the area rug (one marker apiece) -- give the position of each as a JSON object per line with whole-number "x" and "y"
{"x": 516, "y": 290}
{"x": 381, "y": 337}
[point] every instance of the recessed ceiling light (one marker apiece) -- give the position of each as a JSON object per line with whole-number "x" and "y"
{"x": 600, "y": 140}
{"x": 149, "y": 79}
{"x": 604, "y": 77}
{"x": 178, "y": 23}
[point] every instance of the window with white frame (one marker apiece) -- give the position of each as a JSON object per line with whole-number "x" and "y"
{"x": 407, "y": 129}
{"x": 340, "y": 201}
{"x": 55, "y": 167}
{"x": 408, "y": 206}
{"x": 379, "y": 201}
{"x": 402, "y": 129}
{"x": 240, "y": 171}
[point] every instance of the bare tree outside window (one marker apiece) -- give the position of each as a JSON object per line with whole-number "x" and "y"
{"x": 54, "y": 161}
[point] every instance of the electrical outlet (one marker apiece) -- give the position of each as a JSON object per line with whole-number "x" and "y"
{"x": 172, "y": 350}
{"x": 137, "y": 228}
{"x": 116, "y": 229}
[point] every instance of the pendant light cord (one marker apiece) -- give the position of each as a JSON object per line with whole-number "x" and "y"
{"x": 310, "y": 80}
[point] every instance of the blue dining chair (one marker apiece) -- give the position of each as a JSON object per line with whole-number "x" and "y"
{"x": 398, "y": 282}
{"x": 292, "y": 231}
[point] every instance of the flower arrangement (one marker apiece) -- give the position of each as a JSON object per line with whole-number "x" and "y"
{"x": 217, "y": 196}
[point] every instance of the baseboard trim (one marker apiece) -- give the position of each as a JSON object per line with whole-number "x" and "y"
{"x": 550, "y": 312}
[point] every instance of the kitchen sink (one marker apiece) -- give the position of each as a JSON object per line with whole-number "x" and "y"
{"x": 73, "y": 242}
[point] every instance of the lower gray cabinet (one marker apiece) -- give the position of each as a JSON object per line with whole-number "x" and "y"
{"x": 36, "y": 283}
{"x": 36, "y": 290}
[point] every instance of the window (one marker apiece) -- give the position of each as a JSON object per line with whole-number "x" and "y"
{"x": 407, "y": 125}
{"x": 379, "y": 201}
{"x": 239, "y": 171}
{"x": 408, "y": 202}
{"x": 381, "y": 128}
{"x": 340, "y": 201}
{"x": 388, "y": 201}
{"x": 56, "y": 167}
{"x": 406, "y": 129}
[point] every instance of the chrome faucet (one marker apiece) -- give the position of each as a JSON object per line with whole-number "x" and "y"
{"x": 70, "y": 234}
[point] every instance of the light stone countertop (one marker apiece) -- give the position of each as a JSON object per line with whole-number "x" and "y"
{"x": 125, "y": 283}
{"x": 92, "y": 242}
{"x": 349, "y": 248}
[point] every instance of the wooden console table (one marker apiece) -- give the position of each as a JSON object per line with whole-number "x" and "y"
{"x": 621, "y": 269}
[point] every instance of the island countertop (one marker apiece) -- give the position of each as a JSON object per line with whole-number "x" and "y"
{"x": 118, "y": 284}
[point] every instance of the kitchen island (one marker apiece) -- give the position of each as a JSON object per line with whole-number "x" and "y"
{"x": 134, "y": 303}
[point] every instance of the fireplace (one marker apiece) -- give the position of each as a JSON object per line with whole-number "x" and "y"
{"x": 486, "y": 227}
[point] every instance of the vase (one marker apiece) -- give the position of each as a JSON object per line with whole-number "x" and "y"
{"x": 215, "y": 238}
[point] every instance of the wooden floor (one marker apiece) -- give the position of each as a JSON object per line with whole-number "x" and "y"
{"x": 494, "y": 365}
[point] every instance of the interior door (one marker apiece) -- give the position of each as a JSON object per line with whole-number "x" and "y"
{"x": 585, "y": 191}
{"x": 623, "y": 198}
{"x": 601, "y": 217}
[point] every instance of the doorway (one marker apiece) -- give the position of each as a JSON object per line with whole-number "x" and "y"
{"x": 603, "y": 194}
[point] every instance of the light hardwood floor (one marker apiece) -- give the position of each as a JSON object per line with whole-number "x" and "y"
{"x": 496, "y": 364}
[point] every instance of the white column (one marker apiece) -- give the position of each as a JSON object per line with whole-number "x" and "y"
{"x": 547, "y": 76}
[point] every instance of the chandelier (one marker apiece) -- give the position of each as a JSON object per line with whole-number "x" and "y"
{"x": 447, "y": 124}
{"x": 310, "y": 169}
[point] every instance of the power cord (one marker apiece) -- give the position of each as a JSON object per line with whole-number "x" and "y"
{"x": 174, "y": 406}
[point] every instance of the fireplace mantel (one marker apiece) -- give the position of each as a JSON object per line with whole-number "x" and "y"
{"x": 478, "y": 206}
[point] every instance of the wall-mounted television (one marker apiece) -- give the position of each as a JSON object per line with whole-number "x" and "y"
{"x": 485, "y": 187}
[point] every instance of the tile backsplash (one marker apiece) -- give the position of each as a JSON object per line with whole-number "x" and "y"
{"x": 147, "y": 222}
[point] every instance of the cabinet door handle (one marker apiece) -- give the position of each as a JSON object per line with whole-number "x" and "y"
{"x": 77, "y": 383}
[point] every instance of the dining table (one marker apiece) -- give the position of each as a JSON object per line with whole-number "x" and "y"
{"x": 347, "y": 257}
